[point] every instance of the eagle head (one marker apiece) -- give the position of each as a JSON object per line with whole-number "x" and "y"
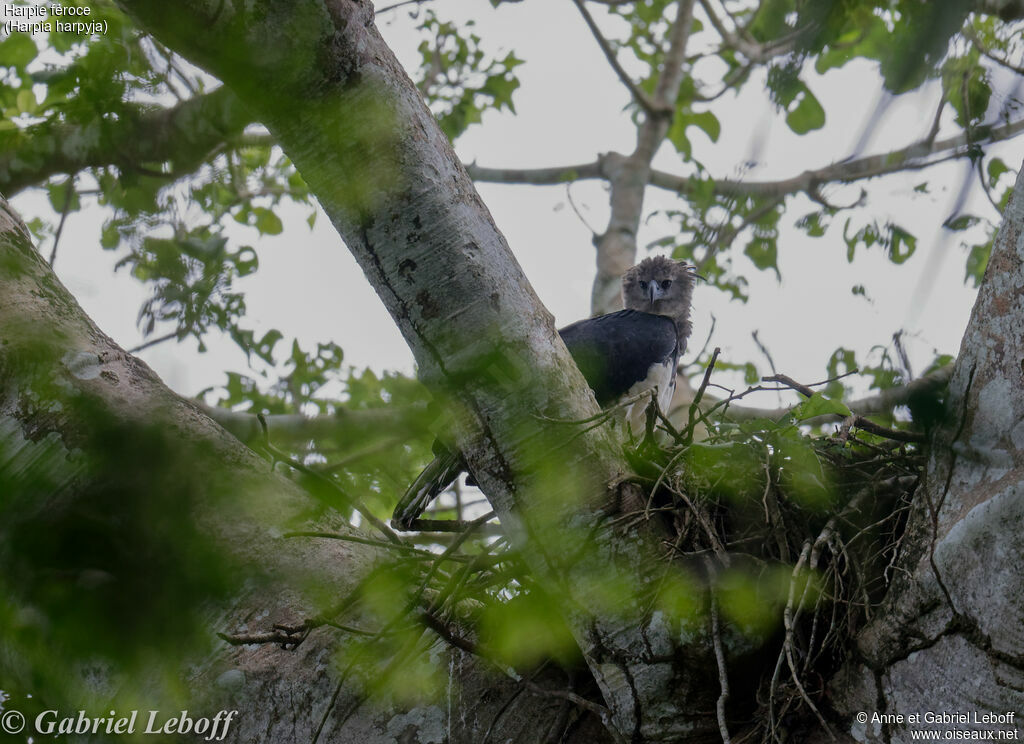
{"x": 661, "y": 286}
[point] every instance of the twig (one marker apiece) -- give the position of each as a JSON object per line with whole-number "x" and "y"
{"x": 723, "y": 673}
{"x": 789, "y": 623}
{"x": 901, "y": 352}
{"x": 643, "y": 100}
{"x": 69, "y": 188}
{"x": 444, "y": 630}
{"x": 871, "y": 427}
{"x": 153, "y": 342}
{"x": 281, "y": 456}
{"x": 456, "y": 543}
{"x": 602, "y": 415}
{"x": 568, "y": 196}
{"x": 414, "y": 552}
{"x": 969, "y": 34}
{"x": 746, "y": 46}
{"x": 707, "y": 342}
{"x": 790, "y": 383}
{"x": 764, "y": 350}
{"x": 396, "y": 6}
{"x": 688, "y": 437}
{"x": 773, "y": 512}
{"x": 327, "y": 711}
{"x": 984, "y": 185}
{"x": 603, "y": 713}
{"x": 727, "y": 233}
{"x": 286, "y": 637}
{"x": 453, "y": 525}
{"x": 855, "y": 420}
{"x": 378, "y": 447}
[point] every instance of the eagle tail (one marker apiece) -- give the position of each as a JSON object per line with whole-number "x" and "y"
{"x": 436, "y": 477}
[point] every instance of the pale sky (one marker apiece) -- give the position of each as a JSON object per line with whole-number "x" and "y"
{"x": 569, "y": 109}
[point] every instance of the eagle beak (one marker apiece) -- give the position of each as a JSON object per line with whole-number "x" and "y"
{"x": 655, "y": 291}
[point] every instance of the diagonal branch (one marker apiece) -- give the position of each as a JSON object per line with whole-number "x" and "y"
{"x": 667, "y": 90}
{"x": 755, "y": 52}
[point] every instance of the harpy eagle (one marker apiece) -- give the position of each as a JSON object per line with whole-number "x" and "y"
{"x": 621, "y": 355}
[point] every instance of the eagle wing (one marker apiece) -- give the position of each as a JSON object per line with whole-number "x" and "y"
{"x": 620, "y": 354}
{"x": 625, "y": 353}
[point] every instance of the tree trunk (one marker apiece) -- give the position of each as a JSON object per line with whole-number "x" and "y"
{"x": 949, "y": 638}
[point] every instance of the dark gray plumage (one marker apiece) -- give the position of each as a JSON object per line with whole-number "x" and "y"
{"x": 620, "y": 354}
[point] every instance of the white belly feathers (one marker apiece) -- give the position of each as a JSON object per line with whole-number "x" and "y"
{"x": 661, "y": 376}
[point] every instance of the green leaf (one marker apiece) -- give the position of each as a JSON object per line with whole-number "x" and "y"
{"x": 526, "y": 629}
{"x": 677, "y": 136}
{"x": 769, "y": 22}
{"x": 26, "y": 101}
{"x": 764, "y": 253}
{"x": 110, "y": 237}
{"x": 811, "y": 224}
{"x": 708, "y": 122}
{"x": 807, "y": 115}
{"x": 245, "y": 260}
{"x": 977, "y": 262}
{"x": 963, "y": 222}
{"x": 752, "y": 601}
{"x": 965, "y": 83}
{"x": 264, "y": 348}
{"x": 59, "y": 195}
{"x": 902, "y": 244}
{"x": 996, "y": 168}
{"x": 840, "y": 357}
{"x": 18, "y": 50}
{"x": 819, "y": 405}
{"x": 266, "y": 221}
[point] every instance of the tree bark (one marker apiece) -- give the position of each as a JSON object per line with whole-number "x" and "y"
{"x": 949, "y": 637}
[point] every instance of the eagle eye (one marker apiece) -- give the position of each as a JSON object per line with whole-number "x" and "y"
{"x": 666, "y": 284}
{"x": 643, "y": 285}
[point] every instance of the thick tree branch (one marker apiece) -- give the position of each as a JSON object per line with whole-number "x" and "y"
{"x": 628, "y": 176}
{"x": 184, "y": 135}
{"x": 343, "y": 422}
{"x": 537, "y": 176}
{"x": 883, "y": 402}
{"x": 917, "y": 156}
